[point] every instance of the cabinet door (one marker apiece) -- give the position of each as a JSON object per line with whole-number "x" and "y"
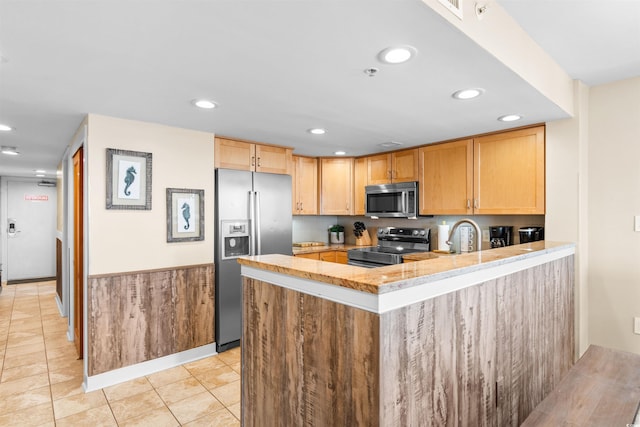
{"x": 314, "y": 255}
{"x": 509, "y": 172}
{"x": 405, "y": 166}
{"x": 273, "y": 159}
{"x": 446, "y": 183}
{"x": 306, "y": 186}
{"x": 230, "y": 154}
{"x": 359, "y": 183}
{"x": 379, "y": 169}
{"x": 336, "y": 182}
{"x": 329, "y": 256}
{"x": 341, "y": 257}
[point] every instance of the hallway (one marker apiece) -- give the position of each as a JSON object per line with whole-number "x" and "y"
{"x": 41, "y": 379}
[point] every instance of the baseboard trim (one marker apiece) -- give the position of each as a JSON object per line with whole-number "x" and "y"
{"x": 138, "y": 370}
{"x": 37, "y": 279}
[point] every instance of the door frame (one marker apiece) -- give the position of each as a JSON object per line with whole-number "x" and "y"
{"x": 68, "y": 235}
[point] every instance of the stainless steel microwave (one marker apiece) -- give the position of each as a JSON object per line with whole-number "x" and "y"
{"x": 398, "y": 200}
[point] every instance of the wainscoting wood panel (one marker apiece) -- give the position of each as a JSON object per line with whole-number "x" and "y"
{"x": 140, "y": 316}
{"x": 320, "y": 356}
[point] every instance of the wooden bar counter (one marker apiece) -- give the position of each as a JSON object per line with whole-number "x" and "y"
{"x": 460, "y": 340}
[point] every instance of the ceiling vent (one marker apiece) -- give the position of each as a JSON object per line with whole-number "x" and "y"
{"x": 390, "y": 144}
{"x": 455, "y": 6}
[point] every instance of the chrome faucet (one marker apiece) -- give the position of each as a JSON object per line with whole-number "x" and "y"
{"x": 474, "y": 224}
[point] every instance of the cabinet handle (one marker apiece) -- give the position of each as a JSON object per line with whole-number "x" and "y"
{"x": 468, "y": 203}
{"x": 300, "y": 205}
{"x": 258, "y": 161}
{"x": 475, "y": 203}
{"x": 253, "y": 160}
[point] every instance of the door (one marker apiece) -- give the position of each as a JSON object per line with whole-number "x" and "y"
{"x": 78, "y": 252}
{"x": 336, "y": 186}
{"x": 232, "y": 204}
{"x": 31, "y": 231}
{"x": 274, "y": 222}
{"x": 446, "y": 187}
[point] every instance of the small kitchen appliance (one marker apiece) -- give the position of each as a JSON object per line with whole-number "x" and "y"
{"x": 393, "y": 243}
{"x": 531, "y": 234}
{"x": 500, "y": 236}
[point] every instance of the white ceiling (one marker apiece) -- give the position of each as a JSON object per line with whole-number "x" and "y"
{"x": 278, "y": 68}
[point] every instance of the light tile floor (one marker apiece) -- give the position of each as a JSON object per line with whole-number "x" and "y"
{"x": 41, "y": 378}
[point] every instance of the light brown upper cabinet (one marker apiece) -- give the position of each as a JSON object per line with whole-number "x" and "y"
{"x": 509, "y": 172}
{"x": 399, "y": 166}
{"x": 305, "y": 186}
{"x": 336, "y": 186}
{"x": 242, "y": 155}
{"x": 446, "y": 187}
{"x": 359, "y": 182}
{"x": 502, "y": 173}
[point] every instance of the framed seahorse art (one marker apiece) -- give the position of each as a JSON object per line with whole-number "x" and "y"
{"x": 128, "y": 179}
{"x": 185, "y": 215}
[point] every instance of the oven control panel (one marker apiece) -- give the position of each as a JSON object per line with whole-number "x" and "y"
{"x": 408, "y": 234}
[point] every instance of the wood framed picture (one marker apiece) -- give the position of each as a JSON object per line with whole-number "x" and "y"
{"x": 185, "y": 215}
{"x": 128, "y": 180}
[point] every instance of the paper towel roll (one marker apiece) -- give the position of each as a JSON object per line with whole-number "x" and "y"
{"x": 443, "y": 235}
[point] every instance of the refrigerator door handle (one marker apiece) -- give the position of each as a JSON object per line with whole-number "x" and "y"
{"x": 252, "y": 226}
{"x": 258, "y": 232}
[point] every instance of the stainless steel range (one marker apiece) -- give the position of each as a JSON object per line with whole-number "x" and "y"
{"x": 393, "y": 243}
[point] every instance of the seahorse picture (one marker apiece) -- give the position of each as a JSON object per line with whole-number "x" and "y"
{"x": 186, "y": 214}
{"x": 187, "y": 208}
{"x": 129, "y": 180}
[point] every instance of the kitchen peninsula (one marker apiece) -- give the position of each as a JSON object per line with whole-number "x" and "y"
{"x": 470, "y": 339}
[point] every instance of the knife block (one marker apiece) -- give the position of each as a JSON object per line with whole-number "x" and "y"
{"x": 363, "y": 240}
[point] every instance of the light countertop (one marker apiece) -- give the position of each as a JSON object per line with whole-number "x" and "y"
{"x": 299, "y": 250}
{"x": 400, "y": 276}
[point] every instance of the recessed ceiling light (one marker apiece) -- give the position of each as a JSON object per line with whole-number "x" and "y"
{"x": 40, "y": 171}
{"x": 509, "y": 118}
{"x": 11, "y": 151}
{"x": 468, "y": 93}
{"x": 204, "y": 103}
{"x": 40, "y": 175}
{"x": 5, "y": 128}
{"x": 317, "y": 131}
{"x": 397, "y": 54}
{"x": 340, "y": 153}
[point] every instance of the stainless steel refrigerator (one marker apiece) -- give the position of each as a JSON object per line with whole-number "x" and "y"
{"x": 253, "y": 217}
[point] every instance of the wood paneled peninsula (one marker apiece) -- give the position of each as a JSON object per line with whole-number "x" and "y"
{"x": 472, "y": 339}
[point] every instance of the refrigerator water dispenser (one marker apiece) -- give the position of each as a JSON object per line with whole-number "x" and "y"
{"x": 235, "y": 239}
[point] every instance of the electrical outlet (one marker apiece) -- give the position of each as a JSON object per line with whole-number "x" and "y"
{"x": 636, "y": 325}
{"x": 485, "y": 235}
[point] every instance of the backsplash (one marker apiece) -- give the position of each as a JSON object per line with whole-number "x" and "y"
{"x": 484, "y": 221}
{"x": 314, "y": 227}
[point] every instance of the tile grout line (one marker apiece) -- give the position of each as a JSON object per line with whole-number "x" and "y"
{"x": 44, "y": 342}
{"x": 6, "y": 341}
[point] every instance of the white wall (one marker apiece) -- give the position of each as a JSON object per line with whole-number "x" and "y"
{"x": 567, "y": 196}
{"x": 614, "y": 199}
{"x": 125, "y": 240}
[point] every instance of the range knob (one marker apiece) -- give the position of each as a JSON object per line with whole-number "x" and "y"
{"x": 422, "y": 232}
{"x": 415, "y": 232}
